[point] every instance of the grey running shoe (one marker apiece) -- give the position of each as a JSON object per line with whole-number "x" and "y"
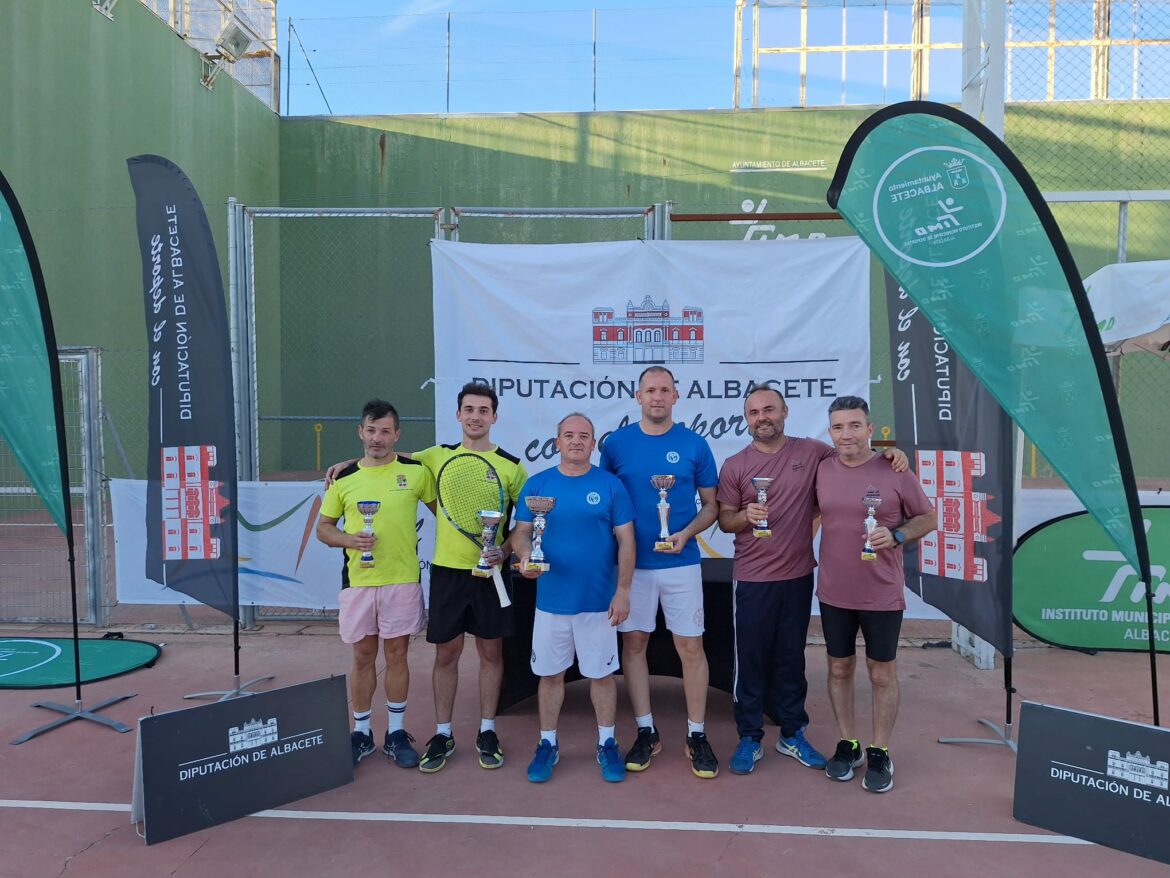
{"x": 879, "y": 775}
{"x": 847, "y": 758}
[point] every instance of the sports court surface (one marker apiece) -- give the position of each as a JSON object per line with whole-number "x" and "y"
{"x": 65, "y": 796}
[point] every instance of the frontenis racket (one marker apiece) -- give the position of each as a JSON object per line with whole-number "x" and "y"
{"x": 467, "y": 485}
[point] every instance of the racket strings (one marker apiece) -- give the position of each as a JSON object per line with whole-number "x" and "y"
{"x": 465, "y": 488}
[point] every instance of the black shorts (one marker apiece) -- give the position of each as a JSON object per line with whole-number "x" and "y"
{"x": 880, "y": 628}
{"x": 465, "y": 604}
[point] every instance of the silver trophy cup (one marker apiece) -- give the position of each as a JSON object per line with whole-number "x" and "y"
{"x": 368, "y": 509}
{"x": 663, "y": 484}
{"x": 872, "y": 500}
{"x": 490, "y": 520}
{"x": 761, "y": 484}
{"x": 540, "y": 507}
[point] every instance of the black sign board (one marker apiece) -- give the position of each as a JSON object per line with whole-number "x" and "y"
{"x": 1094, "y": 777}
{"x": 207, "y": 765}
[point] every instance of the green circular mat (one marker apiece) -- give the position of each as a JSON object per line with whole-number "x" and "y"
{"x": 47, "y": 662}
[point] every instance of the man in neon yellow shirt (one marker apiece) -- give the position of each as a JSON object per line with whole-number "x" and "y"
{"x": 380, "y": 599}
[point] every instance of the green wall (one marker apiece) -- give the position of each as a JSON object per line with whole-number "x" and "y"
{"x": 621, "y": 159}
{"x": 79, "y": 95}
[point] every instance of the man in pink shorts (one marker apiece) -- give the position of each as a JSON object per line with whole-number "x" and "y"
{"x": 381, "y": 598}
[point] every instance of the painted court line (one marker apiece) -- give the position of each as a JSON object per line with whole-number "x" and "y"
{"x": 586, "y": 823}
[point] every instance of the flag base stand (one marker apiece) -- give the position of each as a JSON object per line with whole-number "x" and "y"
{"x": 77, "y": 712}
{"x": 238, "y": 690}
{"x": 1003, "y": 736}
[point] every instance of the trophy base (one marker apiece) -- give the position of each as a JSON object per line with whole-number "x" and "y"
{"x": 664, "y": 546}
{"x": 762, "y": 534}
{"x": 537, "y": 567}
{"x": 869, "y": 556}
{"x": 366, "y": 564}
{"x": 482, "y": 572}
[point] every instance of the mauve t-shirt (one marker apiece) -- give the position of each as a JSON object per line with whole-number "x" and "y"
{"x": 844, "y": 579}
{"x": 787, "y": 554}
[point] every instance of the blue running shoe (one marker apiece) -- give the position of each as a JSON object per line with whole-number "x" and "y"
{"x": 746, "y": 755}
{"x": 801, "y": 750}
{"x": 398, "y": 749}
{"x": 541, "y": 767}
{"x": 362, "y": 745}
{"x": 613, "y": 769}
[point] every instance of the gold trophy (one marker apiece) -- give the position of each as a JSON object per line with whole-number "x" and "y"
{"x": 490, "y": 520}
{"x": 872, "y": 500}
{"x": 761, "y": 484}
{"x": 368, "y": 509}
{"x": 663, "y": 484}
{"x": 539, "y": 507}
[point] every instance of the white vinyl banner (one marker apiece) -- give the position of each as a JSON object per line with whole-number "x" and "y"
{"x": 282, "y": 563}
{"x": 569, "y": 327}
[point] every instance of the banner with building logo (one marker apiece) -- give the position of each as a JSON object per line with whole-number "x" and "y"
{"x": 569, "y": 327}
{"x": 960, "y": 442}
{"x": 207, "y": 765}
{"x": 191, "y": 452}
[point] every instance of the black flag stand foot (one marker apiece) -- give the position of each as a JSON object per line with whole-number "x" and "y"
{"x": 1003, "y": 736}
{"x": 237, "y": 691}
{"x": 77, "y": 712}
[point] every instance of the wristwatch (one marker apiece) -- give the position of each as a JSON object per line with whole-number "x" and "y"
{"x": 899, "y": 537}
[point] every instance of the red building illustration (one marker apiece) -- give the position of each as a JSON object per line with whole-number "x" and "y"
{"x": 963, "y": 516}
{"x": 648, "y": 334}
{"x": 191, "y": 503}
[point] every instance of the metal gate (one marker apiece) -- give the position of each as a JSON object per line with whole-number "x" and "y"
{"x": 34, "y": 578}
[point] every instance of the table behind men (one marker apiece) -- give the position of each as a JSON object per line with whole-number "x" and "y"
{"x": 718, "y": 639}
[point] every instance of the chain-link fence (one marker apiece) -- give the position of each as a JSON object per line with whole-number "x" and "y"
{"x": 34, "y": 578}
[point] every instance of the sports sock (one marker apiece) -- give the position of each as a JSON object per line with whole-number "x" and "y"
{"x": 443, "y": 729}
{"x": 604, "y": 733}
{"x": 397, "y": 712}
{"x": 361, "y": 721}
{"x": 549, "y": 735}
{"x": 645, "y": 722}
{"x": 695, "y": 728}
{"x": 487, "y": 725}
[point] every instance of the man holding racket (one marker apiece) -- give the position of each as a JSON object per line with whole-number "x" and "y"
{"x": 473, "y": 476}
{"x": 479, "y": 476}
{"x": 672, "y": 577}
{"x": 578, "y": 603}
{"x": 380, "y": 593}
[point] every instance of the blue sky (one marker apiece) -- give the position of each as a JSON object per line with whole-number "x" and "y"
{"x": 507, "y": 55}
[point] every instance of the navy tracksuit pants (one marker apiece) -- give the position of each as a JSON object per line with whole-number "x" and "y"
{"x": 771, "y": 628}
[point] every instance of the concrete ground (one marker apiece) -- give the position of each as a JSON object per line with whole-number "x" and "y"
{"x": 65, "y": 796}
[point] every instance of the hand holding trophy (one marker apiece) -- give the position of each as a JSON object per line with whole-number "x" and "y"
{"x": 540, "y": 507}
{"x": 872, "y": 500}
{"x": 368, "y": 509}
{"x": 663, "y": 484}
{"x": 761, "y": 528}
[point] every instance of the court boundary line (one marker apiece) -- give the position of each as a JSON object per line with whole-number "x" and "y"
{"x": 592, "y": 823}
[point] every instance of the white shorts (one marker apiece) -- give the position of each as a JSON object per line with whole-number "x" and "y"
{"x": 678, "y": 589}
{"x": 555, "y": 638}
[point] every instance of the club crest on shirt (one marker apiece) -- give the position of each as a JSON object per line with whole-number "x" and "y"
{"x": 796, "y": 467}
{"x": 402, "y": 481}
{"x": 672, "y": 457}
{"x": 490, "y": 476}
{"x": 592, "y": 498}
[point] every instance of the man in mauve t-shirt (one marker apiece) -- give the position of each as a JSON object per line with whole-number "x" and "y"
{"x": 867, "y": 514}
{"x": 773, "y": 577}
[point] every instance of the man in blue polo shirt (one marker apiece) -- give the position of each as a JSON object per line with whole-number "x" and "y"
{"x": 578, "y": 603}
{"x": 667, "y": 571}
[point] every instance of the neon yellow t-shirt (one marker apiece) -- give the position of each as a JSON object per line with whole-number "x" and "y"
{"x": 398, "y": 486}
{"x": 452, "y": 548}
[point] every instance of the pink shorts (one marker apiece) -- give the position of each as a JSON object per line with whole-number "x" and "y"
{"x": 385, "y": 610}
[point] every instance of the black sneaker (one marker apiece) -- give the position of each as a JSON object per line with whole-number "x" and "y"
{"x": 439, "y": 749}
{"x": 845, "y": 759}
{"x": 646, "y": 746}
{"x": 362, "y": 744}
{"x": 703, "y": 761}
{"x": 399, "y": 750}
{"x": 879, "y": 776}
{"x": 491, "y": 755}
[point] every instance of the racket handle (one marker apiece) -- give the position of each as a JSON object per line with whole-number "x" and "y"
{"x": 505, "y": 601}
